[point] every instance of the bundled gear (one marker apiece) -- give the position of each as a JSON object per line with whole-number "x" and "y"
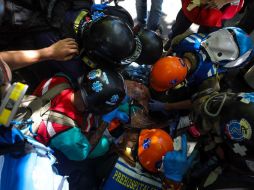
{"x": 151, "y": 47}
{"x": 102, "y": 90}
{"x": 108, "y": 38}
{"x": 211, "y": 17}
{"x": 167, "y": 72}
{"x": 153, "y": 145}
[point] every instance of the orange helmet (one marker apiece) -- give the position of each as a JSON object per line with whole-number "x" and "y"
{"x": 152, "y": 145}
{"x": 167, "y": 72}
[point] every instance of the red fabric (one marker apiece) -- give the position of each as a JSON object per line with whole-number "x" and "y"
{"x": 210, "y": 17}
{"x": 60, "y": 103}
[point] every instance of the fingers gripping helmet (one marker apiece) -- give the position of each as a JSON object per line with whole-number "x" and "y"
{"x": 152, "y": 47}
{"x": 110, "y": 39}
{"x": 167, "y": 72}
{"x": 152, "y": 145}
{"x": 102, "y": 90}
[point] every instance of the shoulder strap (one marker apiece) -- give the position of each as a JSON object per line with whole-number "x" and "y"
{"x": 60, "y": 119}
{"x": 39, "y": 102}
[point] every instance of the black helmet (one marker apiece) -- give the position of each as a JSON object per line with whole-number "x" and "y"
{"x": 236, "y": 127}
{"x": 152, "y": 47}
{"x": 110, "y": 39}
{"x": 121, "y": 13}
{"x": 102, "y": 90}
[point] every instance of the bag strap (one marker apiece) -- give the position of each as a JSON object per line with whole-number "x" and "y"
{"x": 39, "y": 102}
{"x": 60, "y": 118}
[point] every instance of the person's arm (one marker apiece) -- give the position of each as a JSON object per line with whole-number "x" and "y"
{"x": 181, "y": 105}
{"x": 62, "y": 50}
{"x": 155, "y": 105}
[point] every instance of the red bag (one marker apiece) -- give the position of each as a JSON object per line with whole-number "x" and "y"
{"x": 209, "y": 16}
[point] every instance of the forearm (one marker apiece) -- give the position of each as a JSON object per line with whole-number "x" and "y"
{"x": 23, "y": 58}
{"x": 182, "y": 105}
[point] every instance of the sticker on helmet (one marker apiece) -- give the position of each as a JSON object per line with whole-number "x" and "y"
{"x": 238, "y": 149}
{"x": 97, "y": 86}
{"x": 146, "y": 143}
{"x": 113, "y": 100}
{"x": 105, "y": 78}
{"x": 173, "y": 82}
{"x": 247, "y": 97}
{"x": 94, "y": 74}
{"x": 238, "y": 131}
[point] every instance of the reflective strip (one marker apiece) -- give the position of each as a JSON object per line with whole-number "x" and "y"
{"x": 78, "y": 19}
{"x": 50, "y": 129}
{"x": 137, "y": 176}
{"x": 190, "y": 40}
{"x": 46, "y": 86}
{"x": 195, "y": 37}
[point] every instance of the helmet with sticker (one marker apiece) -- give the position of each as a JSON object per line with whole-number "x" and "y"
{"x": 102, "y": 90}
{"x": 153, "y": 144}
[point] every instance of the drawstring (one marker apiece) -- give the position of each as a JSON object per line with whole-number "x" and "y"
{"x": 28, "y": 123}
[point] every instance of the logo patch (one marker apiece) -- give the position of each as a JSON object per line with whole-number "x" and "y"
{"x": 113, "y": 100}
{"x": 97, "y": 86}
{"x": 146, "y": 143}
{"x": 94, "y": 74}
{"x": 174, "y": 82}
{"x": 238, "y": 131}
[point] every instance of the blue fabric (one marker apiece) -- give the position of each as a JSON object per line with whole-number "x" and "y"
{"x": 72, "y": 143}
{"x": 154, "y": 16}
{"x": 10, "y": 136}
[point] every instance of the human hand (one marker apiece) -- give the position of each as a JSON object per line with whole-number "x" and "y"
{"x": 155, "y": 105}
{"x": 63, "y": 50}
{"x": 176, "y": 163}
{"x": 115, "y": 114}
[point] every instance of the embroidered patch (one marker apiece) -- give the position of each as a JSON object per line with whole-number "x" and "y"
{"x": 238, "y": 131}
{"x": 94, "y": 74}
{"x": 97, "y": 86}
{"x": 146, "y": 143}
